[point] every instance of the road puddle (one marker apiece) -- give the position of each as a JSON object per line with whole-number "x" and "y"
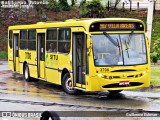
{"x": 14, "y": 85}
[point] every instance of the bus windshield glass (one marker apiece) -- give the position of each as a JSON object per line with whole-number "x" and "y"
{"x": 119, "y": 49}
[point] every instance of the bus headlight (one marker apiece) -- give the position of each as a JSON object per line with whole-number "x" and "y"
{"x": 99, "y": 75}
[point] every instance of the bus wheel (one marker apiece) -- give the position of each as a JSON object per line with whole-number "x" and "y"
{"x": 26, "y": 73}
{"x": 115, "y": 91}
{"x": 67, "y": 85}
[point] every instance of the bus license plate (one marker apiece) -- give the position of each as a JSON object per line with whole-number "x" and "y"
{"x": 126, "y": 83}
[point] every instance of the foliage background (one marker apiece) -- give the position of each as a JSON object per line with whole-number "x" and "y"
{"x": 61, "y": 10}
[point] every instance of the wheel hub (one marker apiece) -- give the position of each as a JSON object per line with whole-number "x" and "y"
{"x": 69, "y": 84}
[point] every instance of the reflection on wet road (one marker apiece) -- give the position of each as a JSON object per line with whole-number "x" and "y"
{"x": 13, "y": 88}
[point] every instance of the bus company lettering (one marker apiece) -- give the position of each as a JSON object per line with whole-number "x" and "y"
{"x": 54, "y": 57}
{"x": 27, "y": 55}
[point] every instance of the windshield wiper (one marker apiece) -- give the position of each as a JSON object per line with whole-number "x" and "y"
{"x": 111, "y": 39}
{"x": 119, "y": 47}
{"x": 130, "y": 36}
{"x": 127, "y": 48}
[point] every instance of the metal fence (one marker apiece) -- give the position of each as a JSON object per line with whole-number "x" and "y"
{"x": 133, "y": 5}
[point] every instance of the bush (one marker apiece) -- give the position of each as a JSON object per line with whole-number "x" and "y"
{"x": 93, "y": 9}
{"x": 155, "y": 55}
{"x": 58, "y": 5}
{"x": 73, "y": 3}
{"x": 53, "y": 5}
{"x": 63, "y": 4}
{"x": 3, "y": 55}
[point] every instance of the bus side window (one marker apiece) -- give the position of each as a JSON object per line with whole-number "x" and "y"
{"x": 51, "y": 42}
{"x": 64, "y": 40}
{"x": 10, "y": 38}
{"x": 23, "y": 39}
{"x": 32, "y": 39}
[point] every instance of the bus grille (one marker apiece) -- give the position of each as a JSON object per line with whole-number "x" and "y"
{"x": 119, "y": 77}
{"x": 124, "y": 70}
{"x": 116, "y": 85}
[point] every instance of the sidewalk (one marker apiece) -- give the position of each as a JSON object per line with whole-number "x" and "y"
{"x": 4, "y": 65}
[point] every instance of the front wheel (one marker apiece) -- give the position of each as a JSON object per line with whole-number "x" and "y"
{"x": 115, "y": 91}
{"x": 67, "y": 85}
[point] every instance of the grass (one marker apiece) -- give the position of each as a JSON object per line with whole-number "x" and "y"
{"x": 155, "y": 76}
{"x": 3, "y": 55}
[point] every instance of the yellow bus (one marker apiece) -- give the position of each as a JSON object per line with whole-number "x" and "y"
{"x": 82, "y": 54}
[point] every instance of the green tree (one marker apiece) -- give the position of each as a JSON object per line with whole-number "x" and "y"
{"x": 73, "y": 3}
{"x": 82, "y": 3}
{"x": 64, "y": 5}
{"x": 116, "y": 3}
{"x": 155, "y": 55}
{"x": 92, "y": 9}
{"x": 53, "y": 5}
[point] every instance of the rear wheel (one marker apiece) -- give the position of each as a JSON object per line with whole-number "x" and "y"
{"x": 115, "y": 91}
{"x": 67, "y": 85}
{"x": 26, "y": 73}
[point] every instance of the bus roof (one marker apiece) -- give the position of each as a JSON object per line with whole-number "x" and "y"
{"x": 84, "y": 22}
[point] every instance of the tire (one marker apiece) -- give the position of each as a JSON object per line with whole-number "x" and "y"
{"x": 115, "y": 91}
{"x": 46, "y": 115}
{"x": 26, "y": 73}
{"x": 67, "y": 85}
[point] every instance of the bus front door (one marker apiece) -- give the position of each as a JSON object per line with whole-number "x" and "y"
{"x": 41, "y": 55}
{"x": 79, "y": 59}
{"x": 16, "y": 52}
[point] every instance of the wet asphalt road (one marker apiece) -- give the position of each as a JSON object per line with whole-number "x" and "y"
{"x": 18, "y": 95}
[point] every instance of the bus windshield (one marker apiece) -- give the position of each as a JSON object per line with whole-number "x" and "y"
{"x": 119, "y": 49}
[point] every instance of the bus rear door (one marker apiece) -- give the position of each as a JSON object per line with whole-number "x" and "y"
{"x": 41, "y": 52}
{"x": 16, "y": 50}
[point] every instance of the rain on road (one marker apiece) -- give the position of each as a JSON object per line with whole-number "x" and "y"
{"x": 18, "y": 95}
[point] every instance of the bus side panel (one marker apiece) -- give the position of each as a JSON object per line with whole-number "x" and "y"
{"x": 33, "y": 71}
{"x": 10, "y": 58}
{"x": 31, "y": 57}
{"x": 92, "y": 84}
{"x": 21, "y": 68}
{"x": 10, "y": 53}
{"x": 52, "y": 76}
{"x": 21, "y": 60}
{"x": 52, "y": 68}
{"x": 64, "y": 62}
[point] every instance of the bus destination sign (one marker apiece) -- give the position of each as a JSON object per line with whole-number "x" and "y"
{"x": 104, "y": 26}
{"x": 116, "y": 26}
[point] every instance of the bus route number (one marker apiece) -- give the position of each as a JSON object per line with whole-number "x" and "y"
{"x": 27, "y": 55}
{"x": 104, "y": 69}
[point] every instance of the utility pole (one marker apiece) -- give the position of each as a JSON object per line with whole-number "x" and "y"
{"x": 150, "y": 18}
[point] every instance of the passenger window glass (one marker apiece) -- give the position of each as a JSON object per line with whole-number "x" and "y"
{"x": 51, "y": 43}
{"x": 64, "y": 40}
{"x": 23, "y": 39}
{"x": 32, "y": 40}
